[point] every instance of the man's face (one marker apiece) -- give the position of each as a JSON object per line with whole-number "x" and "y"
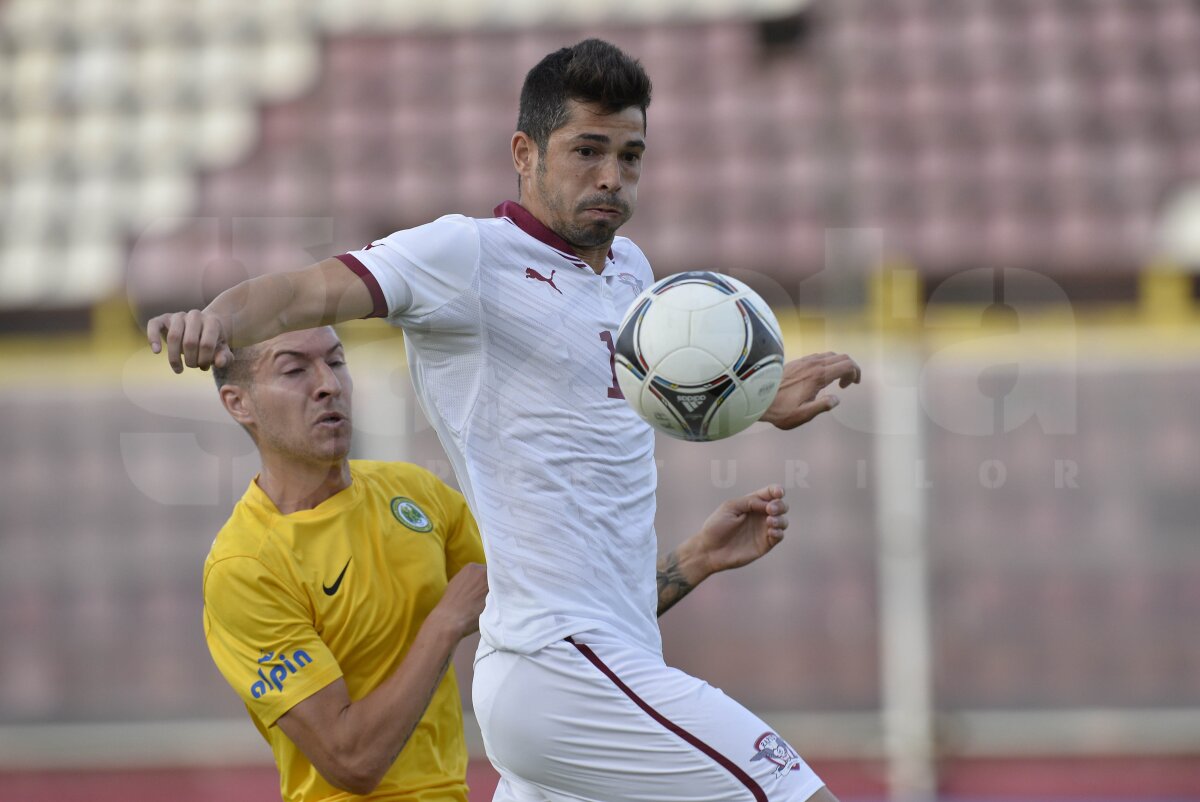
{"x": 584, "y": 186}
{"x": 300, "y": 397}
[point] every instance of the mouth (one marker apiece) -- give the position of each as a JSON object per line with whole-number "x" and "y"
{"x": 331, "y": 419}
{"x": 603, "y": 211}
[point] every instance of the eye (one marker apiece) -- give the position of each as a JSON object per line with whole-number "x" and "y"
{"x": 293, "y": 372}
{"x": 337, "y": 363}
{"x": 633, "y": 158}
{"x": 586, "y": 151}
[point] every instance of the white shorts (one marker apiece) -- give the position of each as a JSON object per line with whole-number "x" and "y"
{"x": 594, "y": 718}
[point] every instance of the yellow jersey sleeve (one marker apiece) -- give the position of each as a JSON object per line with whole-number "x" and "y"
{"x": 463, "y": 544}
{"x": 262, "y": 638}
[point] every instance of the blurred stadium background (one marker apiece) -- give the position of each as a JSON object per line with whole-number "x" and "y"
{"x": 991, "y": 589}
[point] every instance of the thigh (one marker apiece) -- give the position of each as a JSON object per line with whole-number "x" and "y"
{"x": 596, "y": 719}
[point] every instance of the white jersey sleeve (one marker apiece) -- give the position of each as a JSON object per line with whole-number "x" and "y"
{"x": 414, "y": 272}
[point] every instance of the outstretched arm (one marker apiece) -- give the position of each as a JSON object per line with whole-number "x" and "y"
{"x": 739, "y": 532}
{"x": 257, "y": 310}
{"x": 798, "y": 400}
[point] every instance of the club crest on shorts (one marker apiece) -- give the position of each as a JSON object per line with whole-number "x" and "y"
{"x": 408, "y": 513}
{"x": 771, "y": 747}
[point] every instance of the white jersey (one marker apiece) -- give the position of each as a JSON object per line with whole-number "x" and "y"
{"x": 510, "y": 340}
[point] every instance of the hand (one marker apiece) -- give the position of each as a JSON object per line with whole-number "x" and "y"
{"x": 200, "y": 338}
{"x": 797, "y": 401}
{"x": 461, "y": 604}
{"x": 742, "y": 529}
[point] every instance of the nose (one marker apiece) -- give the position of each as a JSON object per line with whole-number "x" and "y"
{"x": 328, "y": 382}
{"x": 609, "y": 178}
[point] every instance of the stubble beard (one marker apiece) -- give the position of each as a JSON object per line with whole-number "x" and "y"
{"x": 581, "y": 235}
{"x": 321, "y": 451}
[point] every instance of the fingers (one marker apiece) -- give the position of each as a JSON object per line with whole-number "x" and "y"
{"x": 761, "y": 501}
{"x": 193, "y": 327}
{"x": 210, "y": 343}
{"x": 175, "y": 326}
{"x": 154, "y": 331}
{"x": 842, "y": 369}
{"x": 776, "y": 530}
{"x": 829, "y": 366}
{"x": 174, "y": 340}
{"x": 769, "y": 492}
{"x": 766, "y": 501}
{"x": 192, "y": 338}
{"x": 776, "y": 510}
{"x": 853, "y": 374}
{"x": 468, "y": 588}
{"x": 224, "y": 356}
{"x": 474, "y": 574}
{"x": 807, "y": 411}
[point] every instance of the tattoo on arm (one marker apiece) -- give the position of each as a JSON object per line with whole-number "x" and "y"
{"x": 672, "y": 586}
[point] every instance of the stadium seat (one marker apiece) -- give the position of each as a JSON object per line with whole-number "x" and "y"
{"x": 220, "y": 86}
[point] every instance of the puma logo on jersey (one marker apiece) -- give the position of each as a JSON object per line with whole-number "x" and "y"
{"x": 533, "y": 274}
{"x": 691, "y": 402}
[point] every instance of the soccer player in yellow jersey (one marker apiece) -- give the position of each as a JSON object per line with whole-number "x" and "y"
{"x": 336, "y": 593}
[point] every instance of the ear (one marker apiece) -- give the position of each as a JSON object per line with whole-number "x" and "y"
{"x": 525, "y": 155}
{"x": 237, "y": 403}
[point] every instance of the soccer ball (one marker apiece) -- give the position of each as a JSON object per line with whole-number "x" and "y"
{"x": 699, "y": 356}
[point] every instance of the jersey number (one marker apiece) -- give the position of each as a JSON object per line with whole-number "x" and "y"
{"x": 615, "y": 390}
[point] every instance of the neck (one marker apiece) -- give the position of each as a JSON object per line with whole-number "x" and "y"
{"x": 594, "y": 257}
{"x": 540, "y": 217}
{"x": 293, "y": 486}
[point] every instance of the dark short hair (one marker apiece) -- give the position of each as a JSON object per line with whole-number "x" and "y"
{"x": 239, "y": 370}
{"x": 592, "y": 71}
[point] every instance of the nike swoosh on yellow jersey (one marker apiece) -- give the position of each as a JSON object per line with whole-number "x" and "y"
{"x": 337, "y": 583}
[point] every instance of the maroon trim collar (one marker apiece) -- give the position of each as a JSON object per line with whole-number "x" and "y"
{"x": 535, "y": 228}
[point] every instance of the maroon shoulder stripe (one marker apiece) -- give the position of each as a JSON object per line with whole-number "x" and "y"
{"x": 745, "y": 779}
{"x": 360, "y": 270}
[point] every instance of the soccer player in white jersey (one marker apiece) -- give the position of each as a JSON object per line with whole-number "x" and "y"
{"x": 509, "y": 325}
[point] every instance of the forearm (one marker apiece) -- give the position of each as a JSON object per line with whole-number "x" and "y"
{"x": 264, "y": 307}
{"x": 373, "y": 730}
{"x": 251, "y": 311}
{"x": 679, "y": 571}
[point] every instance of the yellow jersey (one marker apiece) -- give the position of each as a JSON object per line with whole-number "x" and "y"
{"x": 292, "y": 602}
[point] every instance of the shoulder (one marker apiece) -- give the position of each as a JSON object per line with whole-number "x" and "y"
{"x": 249, "y": 564}
{"x": 245, "y": 534}
{"x": 235, "y": 581}
{"x": 400, "y": 478}
{"x": 419, "y": 270}
{"x": 446, "y": 224}
{"x": 401, "y": 484}
{"x": 247, "y": 547}
{"x": 454, "y": 238}
{"x": 384, "y": 471}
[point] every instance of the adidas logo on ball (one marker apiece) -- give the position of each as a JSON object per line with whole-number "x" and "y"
{"x": 690, "y": 402}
